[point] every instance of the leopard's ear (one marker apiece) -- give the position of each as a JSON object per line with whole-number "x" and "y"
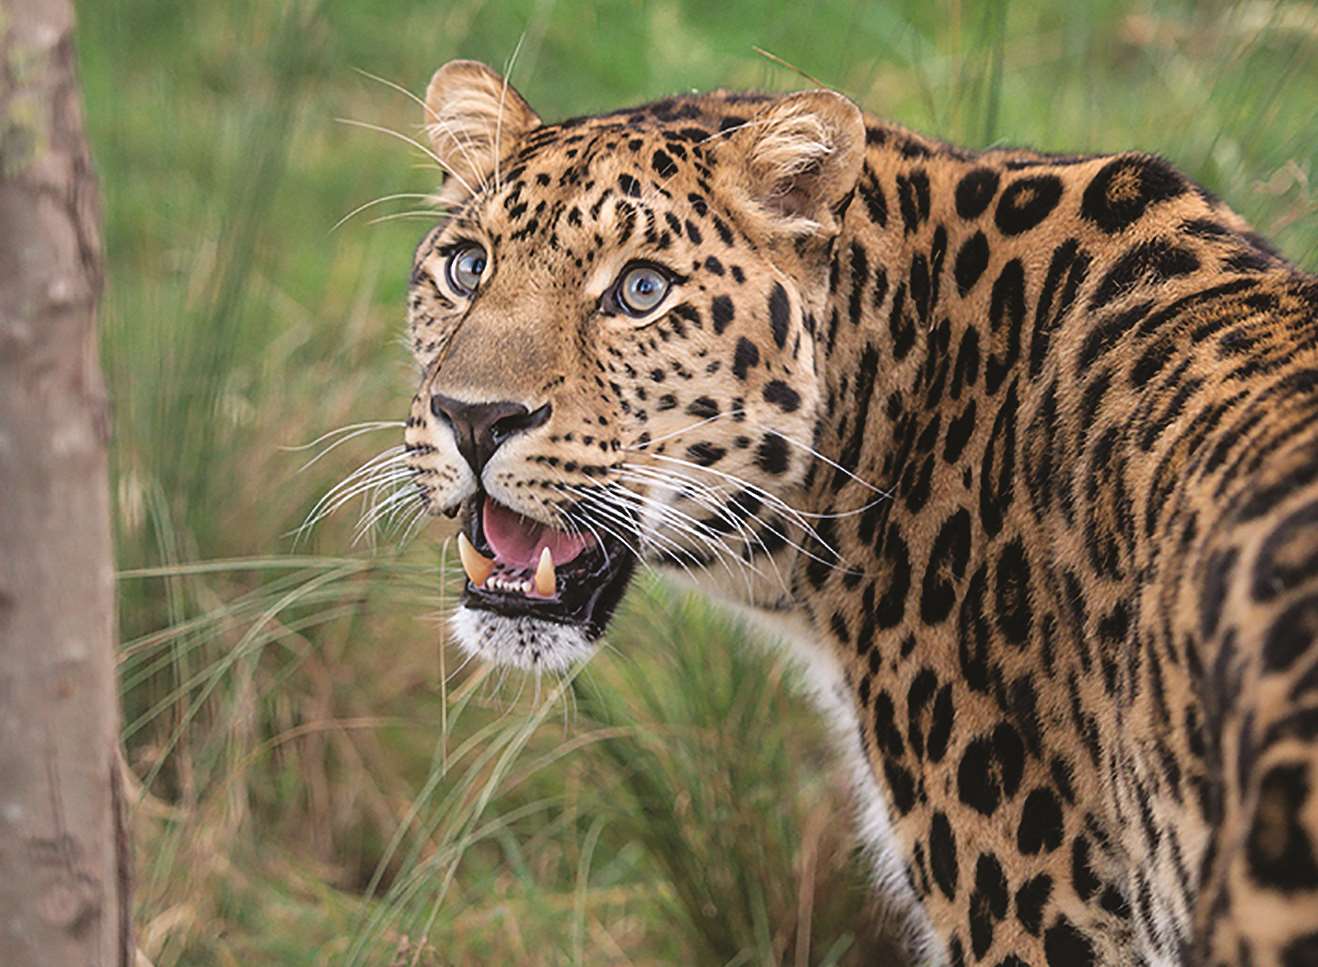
{"x": 798, "y": 160}
{"x": 473, "y": 116}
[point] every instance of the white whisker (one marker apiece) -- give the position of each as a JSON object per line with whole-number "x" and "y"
{"x": 498, "y": 119}
{"x": 781, "y": 506}
{"x": 370, "y": 424}
{"x": 620, "y": 517}
{"x": 376, "y": 201}
{"x": 400, "y": 136}
{"x": 707, "y": 535}
{"x": 410, "y": 213}
{"x": 349, "y": 433}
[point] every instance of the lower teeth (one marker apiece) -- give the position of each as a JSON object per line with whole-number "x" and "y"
{"x": 508, "y": 584}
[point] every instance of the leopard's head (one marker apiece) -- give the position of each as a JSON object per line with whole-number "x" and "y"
{"x": 615, "y": 322}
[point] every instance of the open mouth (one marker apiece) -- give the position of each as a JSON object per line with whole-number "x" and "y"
{"x": 517, "y": 566}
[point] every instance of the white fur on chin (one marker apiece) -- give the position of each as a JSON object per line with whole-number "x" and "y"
{"x": 520, "y": 642}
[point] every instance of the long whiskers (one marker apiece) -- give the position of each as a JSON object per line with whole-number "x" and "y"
{"x": 344, "y": 434}
{"x": 385, "y": 509}
{"x": 435, "y": 120}
{"x": 380, "y": 201}
{"x": 717, "y": 506}
{"x": 784, "y": 508}
{"x": 498, "y": 120}
{"x": 381, "y": 129}
{"x": 600, "y": 501}
{"x": 382, "y": 470}
{"x": 716, "y": 499}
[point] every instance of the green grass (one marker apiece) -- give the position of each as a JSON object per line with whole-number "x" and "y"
{"x": 318, "y": 782}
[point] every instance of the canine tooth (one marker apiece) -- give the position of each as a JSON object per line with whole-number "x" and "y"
{"x": 476, "y": 564}
{"x": 546, "y": 582}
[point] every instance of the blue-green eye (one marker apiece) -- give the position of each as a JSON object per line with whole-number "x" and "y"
{"x": 465, "y": 267}
{"x": 640, "y": 289}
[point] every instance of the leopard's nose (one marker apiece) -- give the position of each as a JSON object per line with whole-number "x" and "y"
{"x": 481, "y": 428}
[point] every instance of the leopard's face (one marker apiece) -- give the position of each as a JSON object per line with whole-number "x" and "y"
{"x": 616, "y": 343}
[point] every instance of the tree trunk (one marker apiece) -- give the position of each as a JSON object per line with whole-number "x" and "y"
{"x": 63, "y": 855}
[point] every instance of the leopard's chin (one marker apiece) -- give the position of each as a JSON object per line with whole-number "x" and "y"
{"x": 521, "y": 641}
{"x": 535, "y": 597}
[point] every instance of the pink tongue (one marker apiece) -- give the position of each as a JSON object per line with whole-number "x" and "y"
{"x": 517, "y": 541}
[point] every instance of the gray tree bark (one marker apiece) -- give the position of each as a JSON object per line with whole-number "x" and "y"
{"x": 63, "y": 857}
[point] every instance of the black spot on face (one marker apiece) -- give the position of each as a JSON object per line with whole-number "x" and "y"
{"x": 629, "y": 186}
{"x": 705, "y": 454}
{"x": 1301, "y": 952}
{"x": 779, "y": 314}
{"x": 771, "y": 456}
{"x": 722, "y": 311}
{"x": 917, "y": 701}
{"x": 901, "y": 785}
{"x": 703, "y": 407}
{"x": 782, "y": 396}
{"x": 744, "y": 357}
{"x": 663, "y": 165}
{"x": 886, "y": 733}
{"x": 723, "y": 230}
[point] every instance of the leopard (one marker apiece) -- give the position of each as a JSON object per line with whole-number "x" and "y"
{"x": 1015, "y": 451}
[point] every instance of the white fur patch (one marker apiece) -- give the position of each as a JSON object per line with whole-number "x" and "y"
{"x": 825, "y": 684}
{"x": 521, "y": 641}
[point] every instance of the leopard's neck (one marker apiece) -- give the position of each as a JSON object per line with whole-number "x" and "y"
{"x": 1004, "y": 360}
{"x": 951, "y": 284}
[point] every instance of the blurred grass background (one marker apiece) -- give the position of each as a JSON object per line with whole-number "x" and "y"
{"x": 315, "y": 778}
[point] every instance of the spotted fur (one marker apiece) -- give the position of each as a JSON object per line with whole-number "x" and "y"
{"x": 1023, "y": 446}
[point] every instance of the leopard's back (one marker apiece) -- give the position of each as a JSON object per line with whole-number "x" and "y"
{"x": 1097, "y": 584}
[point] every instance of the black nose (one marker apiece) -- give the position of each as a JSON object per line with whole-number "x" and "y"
{"x": 481, "y": 428}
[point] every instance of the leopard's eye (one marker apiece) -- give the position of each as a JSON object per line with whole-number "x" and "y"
{"x": 465, "y": 267}
{"x": 640, "y": 288}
